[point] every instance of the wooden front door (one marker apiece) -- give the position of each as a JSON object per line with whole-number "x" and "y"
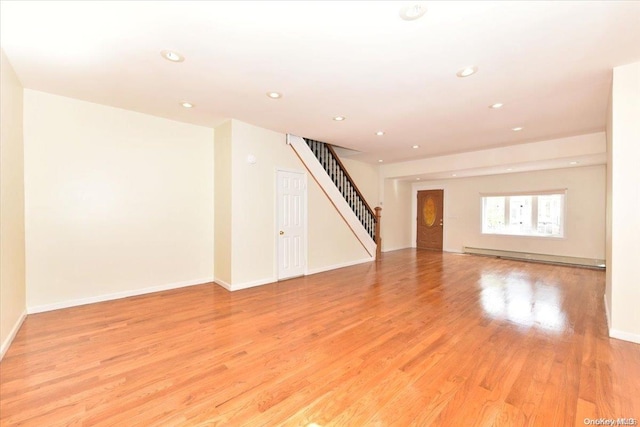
{"x": 430, "y": 214}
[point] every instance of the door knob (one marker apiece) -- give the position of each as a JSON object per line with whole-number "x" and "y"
{"x": 281, "y": 232}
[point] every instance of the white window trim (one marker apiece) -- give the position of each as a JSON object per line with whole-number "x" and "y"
{"x": 534, "y": 212}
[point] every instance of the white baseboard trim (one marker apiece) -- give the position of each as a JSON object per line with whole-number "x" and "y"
{"x": 238, "y": 286}
{"x": 341, "y": 265}
{"x": 537, "y": 257}
{"x": 253, "y": 284}
{"x": 244, "y": 285}
{"x": 222, "y": 283}
{"x": 116, "y": 295}
{"x": 614, "y": 333}
{"x": 606, "y": 312}
{"x": 397, "y": 248}
{"x": 452, "y": 251}
{"x": 12, "y": 334}
{"x": 625, "y": 336}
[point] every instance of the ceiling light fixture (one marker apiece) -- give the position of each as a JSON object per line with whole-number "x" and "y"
{"x": 413, "y": 11}
{"x": 380, "y": 133}
{"x": 517, "y": 129}
{"x": 509, "y": 169}
{"x": 274, "y": 95}
{"x": 416, "y": 146}
{"x": 467, "y": 71}
{"x": 380, "y": 161}
{"x": 339, "y": 118}
{"x": 417, "y": 179}
{"x": 172, "y": 56}
{"x": 187, "y": 104}
{"x": 496, "y": 106}
{"x": 573, "y": 163}
{"x": 454, "y": 175}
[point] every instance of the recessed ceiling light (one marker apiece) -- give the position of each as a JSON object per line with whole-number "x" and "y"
{"x": 509, "y": 169}
{"x": 339, "y": 118}
{"x": 573, "y": 163}
{"x": 454, "y": 174}
{"x": 417, "y": 179}
{"x": 380, "y": 133}
{"x": 416, "y": 146}
{"x": 517, "y": 129}
{"x": 413, "y": 11}
{"x": 467, "y": 71}
{"x": 274, "y": 95}
{"x": 172, "y": 56}
{"x": 496, "y": 105}
{"x": 187, "y": 104}
{"x": 380, "y": 161}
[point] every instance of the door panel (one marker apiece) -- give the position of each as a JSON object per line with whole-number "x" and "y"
{"x": 429, "y": 221}
{"x": 291, "y": 199}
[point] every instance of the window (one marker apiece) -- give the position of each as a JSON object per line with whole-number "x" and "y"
{"x": 535, "y": 214}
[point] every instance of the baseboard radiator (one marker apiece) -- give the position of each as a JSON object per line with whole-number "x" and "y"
{"x": 526, "y": 256}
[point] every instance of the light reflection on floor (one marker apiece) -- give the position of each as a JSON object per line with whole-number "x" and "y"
{"x": 516, "y": 298}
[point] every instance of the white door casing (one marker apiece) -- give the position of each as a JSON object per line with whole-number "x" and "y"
{"x": 291, "y": 223}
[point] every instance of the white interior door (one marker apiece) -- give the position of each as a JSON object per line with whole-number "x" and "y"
{"x": 291, "y": 224}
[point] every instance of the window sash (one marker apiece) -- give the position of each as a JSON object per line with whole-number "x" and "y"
{"x": 529, "y": 225}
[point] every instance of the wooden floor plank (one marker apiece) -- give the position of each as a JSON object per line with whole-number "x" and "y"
{"x": 420, "y": 338}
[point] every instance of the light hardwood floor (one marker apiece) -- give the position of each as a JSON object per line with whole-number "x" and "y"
{"x": 420, "y": 339}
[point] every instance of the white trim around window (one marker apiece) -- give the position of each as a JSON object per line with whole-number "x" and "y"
{"x": 530, "y": 213}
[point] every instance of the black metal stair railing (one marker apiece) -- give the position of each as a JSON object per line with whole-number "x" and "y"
{"x": 333, "y": 166}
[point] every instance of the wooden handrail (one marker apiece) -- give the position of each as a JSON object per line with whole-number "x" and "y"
{"x": 331, "y": 163}
{"x": 353, "y": 184}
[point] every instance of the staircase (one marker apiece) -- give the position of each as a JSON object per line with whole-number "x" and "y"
{"x": 325, "y": 166}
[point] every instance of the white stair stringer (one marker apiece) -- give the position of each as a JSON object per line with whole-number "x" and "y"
{"x": 333, "y": 193}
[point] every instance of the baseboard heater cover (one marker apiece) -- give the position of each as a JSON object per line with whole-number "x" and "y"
{"x": 526, "y": 256}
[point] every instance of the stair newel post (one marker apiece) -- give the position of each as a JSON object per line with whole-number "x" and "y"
{"x": 378, "y": 239}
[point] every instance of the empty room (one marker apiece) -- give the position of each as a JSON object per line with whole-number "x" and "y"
{"x": 277, "y": 213}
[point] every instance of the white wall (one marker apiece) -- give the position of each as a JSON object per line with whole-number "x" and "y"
{"x": 585, "y": 212}
{"x": 117, "y": 203}
{"x": 396, "y": 215}
{"x": 12, "y": 238}
{"x": 624, "y": 229}
{"x": 544, "y": 161}
{"x": 609, "y": 213}
{"x": 253, "y": 201}
{"x": 222, "y": 195}
{"x": 330, "y": 241}
{"x": 589, "y": 149}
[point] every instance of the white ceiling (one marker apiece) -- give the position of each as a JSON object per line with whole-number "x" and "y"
{"x": 549, "y": 63}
